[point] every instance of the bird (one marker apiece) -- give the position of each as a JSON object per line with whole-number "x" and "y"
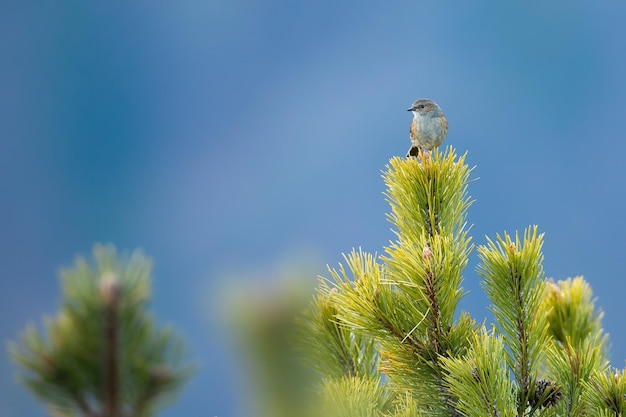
{"x": 429, "y": 127}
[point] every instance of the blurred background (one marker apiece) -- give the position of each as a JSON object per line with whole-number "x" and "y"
{"x": 240, "y": 144}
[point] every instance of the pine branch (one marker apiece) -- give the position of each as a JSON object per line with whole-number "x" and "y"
{"x": 354, "y": 397}
{"x": 341, "y": 350}
{"x": 99, "y": 355}
{"x": 429, "y": 205}
{"x": 406, "y": 301}
{"x": 479, "y": 380}
{"x": 606, "y": 393}
{"x": 578, "y": 341}
{"x": 512, "y": 271}
{"x": 110, "y": 289}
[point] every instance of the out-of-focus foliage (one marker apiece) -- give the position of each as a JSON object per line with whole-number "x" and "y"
{"x": 102, "y": 354}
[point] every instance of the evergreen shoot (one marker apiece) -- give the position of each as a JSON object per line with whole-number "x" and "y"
{"x": 102, "y": 355}
{"x": 385, "y": 337}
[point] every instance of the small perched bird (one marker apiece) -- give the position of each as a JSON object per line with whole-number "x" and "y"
{"x": 428, "y": 128}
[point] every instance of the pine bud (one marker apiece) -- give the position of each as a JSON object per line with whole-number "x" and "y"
{"x": 427, "y": 254}
{"x": 110, "y": 288}
{"x": 512, "y": 247}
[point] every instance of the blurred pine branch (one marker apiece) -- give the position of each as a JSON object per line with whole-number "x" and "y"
{"x": 102, "y": 355}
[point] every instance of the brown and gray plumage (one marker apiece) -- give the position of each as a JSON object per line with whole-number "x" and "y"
{"x": 429, "y": 127}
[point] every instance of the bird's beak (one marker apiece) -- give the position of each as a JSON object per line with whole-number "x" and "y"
{"x": 411, "y": 109}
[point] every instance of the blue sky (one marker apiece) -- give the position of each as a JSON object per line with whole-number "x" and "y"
{"x": 232, "y": 138}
